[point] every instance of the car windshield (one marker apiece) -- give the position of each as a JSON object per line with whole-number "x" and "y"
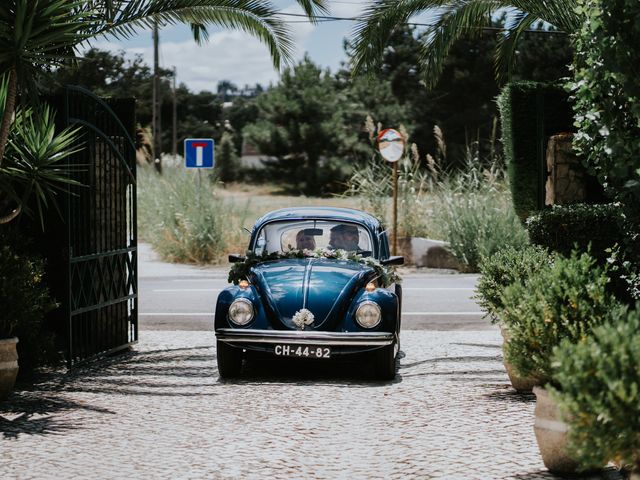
{"x": 312, "y": 234}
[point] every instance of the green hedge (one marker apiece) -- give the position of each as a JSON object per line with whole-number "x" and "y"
{"x": 530, "y": 113}
{"x": 562, "y": 228}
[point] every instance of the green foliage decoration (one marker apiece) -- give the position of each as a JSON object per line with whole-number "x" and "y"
{"x": 598, "y": 391}
{"x": 563, "y": 301}
{"x": 593, "y": 228}
{"x": 506, "y": 267}
{"x": 607, "y": 95}
{"x": 384, "y": 275}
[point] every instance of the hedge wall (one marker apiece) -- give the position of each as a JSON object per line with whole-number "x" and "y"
{"x": 530, "y": 113}
{"x": 585, "y": 227}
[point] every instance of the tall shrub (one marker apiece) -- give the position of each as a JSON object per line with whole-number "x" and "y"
{"x": 530, "y": 113}
{"x": 227, "y": 162}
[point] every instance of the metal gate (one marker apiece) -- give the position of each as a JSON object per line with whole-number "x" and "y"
{"x": 101, "y": 304}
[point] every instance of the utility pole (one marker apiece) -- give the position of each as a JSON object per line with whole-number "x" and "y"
{"x": 155, "y": 121}
{"x": 174, "y": 138}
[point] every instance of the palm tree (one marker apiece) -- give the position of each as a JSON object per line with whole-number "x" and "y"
{"x": 39, "y": 35}
{"x": 453, "y": 19}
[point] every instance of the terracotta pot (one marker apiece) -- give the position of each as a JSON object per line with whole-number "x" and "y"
{"x": 8, "y": 366}
{"x": 551, "y": 434}
{"x": 521, "y": 384}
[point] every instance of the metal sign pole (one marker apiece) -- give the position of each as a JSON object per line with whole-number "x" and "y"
{"x": 395, "y": 208}
{"x": 391, "y": 147}
{"x": 199, "y": 188}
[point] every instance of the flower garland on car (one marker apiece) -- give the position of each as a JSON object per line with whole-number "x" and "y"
{"x": 385, "y": 275}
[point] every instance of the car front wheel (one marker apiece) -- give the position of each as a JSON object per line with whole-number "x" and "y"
{"x": 385, "y": 363}
{"x": 229, "y": 360}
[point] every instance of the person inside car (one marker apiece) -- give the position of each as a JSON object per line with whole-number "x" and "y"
{"x": 345, "y": 237}
{"x": 304, "y": 241}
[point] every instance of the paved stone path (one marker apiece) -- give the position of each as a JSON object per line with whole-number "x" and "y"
{"x": 160, "y": 411}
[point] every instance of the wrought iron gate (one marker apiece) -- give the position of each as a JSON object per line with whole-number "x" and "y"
{"x": 101, "y": 306}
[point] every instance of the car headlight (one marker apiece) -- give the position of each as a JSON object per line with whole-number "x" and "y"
{"x": 241, "y": 311}
{"x": 368, "y": 314}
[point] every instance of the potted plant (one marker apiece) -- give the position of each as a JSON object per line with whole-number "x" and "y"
{"x": 24, "y": 301}
{"x": 598, "y": 392}
{"x": 561, "y": 303}
{"x": 507, "y": 267}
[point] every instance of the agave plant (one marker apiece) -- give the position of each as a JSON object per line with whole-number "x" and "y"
{"x": 453, "y": 19}
{"x": 38, "y": 35}
{"x": 34, "y": 170}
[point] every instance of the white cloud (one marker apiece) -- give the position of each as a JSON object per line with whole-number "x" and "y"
{"x": 228, "y": 55}
{"x": 348, "y": 8}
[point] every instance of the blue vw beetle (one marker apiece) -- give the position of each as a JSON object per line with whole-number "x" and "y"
{"x": 315, "y": 283}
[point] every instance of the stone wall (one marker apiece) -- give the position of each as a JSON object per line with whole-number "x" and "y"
{"x": 567, "y": 178}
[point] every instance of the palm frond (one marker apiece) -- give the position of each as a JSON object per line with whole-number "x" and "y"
{"x": 258, "y": 18}
{"x": 379, "y": 21}
{"x": 458, "y": 19}
{"x": 505, "y": 56}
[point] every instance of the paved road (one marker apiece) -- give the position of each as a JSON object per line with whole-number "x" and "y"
{"x": 183, "y": 297}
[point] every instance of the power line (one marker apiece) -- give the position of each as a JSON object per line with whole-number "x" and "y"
{"x": 330, "y": 18}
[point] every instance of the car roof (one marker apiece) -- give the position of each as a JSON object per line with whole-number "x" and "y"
{"x": 320, "y": 213}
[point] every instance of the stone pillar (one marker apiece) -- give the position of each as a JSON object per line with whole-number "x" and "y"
{"x": 566, "y": 182}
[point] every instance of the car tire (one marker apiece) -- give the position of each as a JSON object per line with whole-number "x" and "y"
{"x": 229, "y": 360}
{"x": 385, "y": 363}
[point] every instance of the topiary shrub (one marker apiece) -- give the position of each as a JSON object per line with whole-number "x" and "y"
{"x": 530, "y": 113}
{"x": 598, "y": 390}
{"x": 592, "y": 228}
{"x": 504, "y": 268}
{"x": 563, "y": 301}
{"x": 24, "y": 301}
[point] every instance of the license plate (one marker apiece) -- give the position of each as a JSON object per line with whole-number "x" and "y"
{"x": 302, "y": 351}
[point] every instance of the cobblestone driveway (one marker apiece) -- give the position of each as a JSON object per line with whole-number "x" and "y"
{"x": 161, "y": 412}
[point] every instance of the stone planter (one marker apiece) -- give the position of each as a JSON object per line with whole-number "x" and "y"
{"x": 521, "y": 384}
{"x": 551, "y": 434}
{"x": 8, "y": 366}
{"x": 424, "y": 252}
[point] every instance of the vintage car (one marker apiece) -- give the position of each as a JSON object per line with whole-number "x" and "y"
{"x": 315, "y": 283}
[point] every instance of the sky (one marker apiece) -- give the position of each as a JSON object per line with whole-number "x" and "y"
{"x": 238, "y": 57}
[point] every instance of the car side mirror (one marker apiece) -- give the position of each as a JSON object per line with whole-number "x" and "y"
{"x": 236, "y": 258}
{"x": 393, "y": 261}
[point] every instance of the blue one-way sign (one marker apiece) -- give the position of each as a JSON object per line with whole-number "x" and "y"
{"x": 198, "y": 153}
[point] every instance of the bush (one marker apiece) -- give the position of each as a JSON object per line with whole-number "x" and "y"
{"x": 183, "y": 222}
{"x": 564, "y": 301}
{"x": 507, "y": 267}
{"x": 25, "y": 300}
{"x": 593, "y": 228}
{"x": 598, "y": 390}
{"x": 476, "y": 215}
{"x": 530, "y": 113}
{"x": 227, "y": 167}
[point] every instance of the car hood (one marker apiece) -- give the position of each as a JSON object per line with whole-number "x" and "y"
{"x": 326, "y": 287}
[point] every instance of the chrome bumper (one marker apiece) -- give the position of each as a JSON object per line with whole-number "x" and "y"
{"x": 338, "y": 339}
